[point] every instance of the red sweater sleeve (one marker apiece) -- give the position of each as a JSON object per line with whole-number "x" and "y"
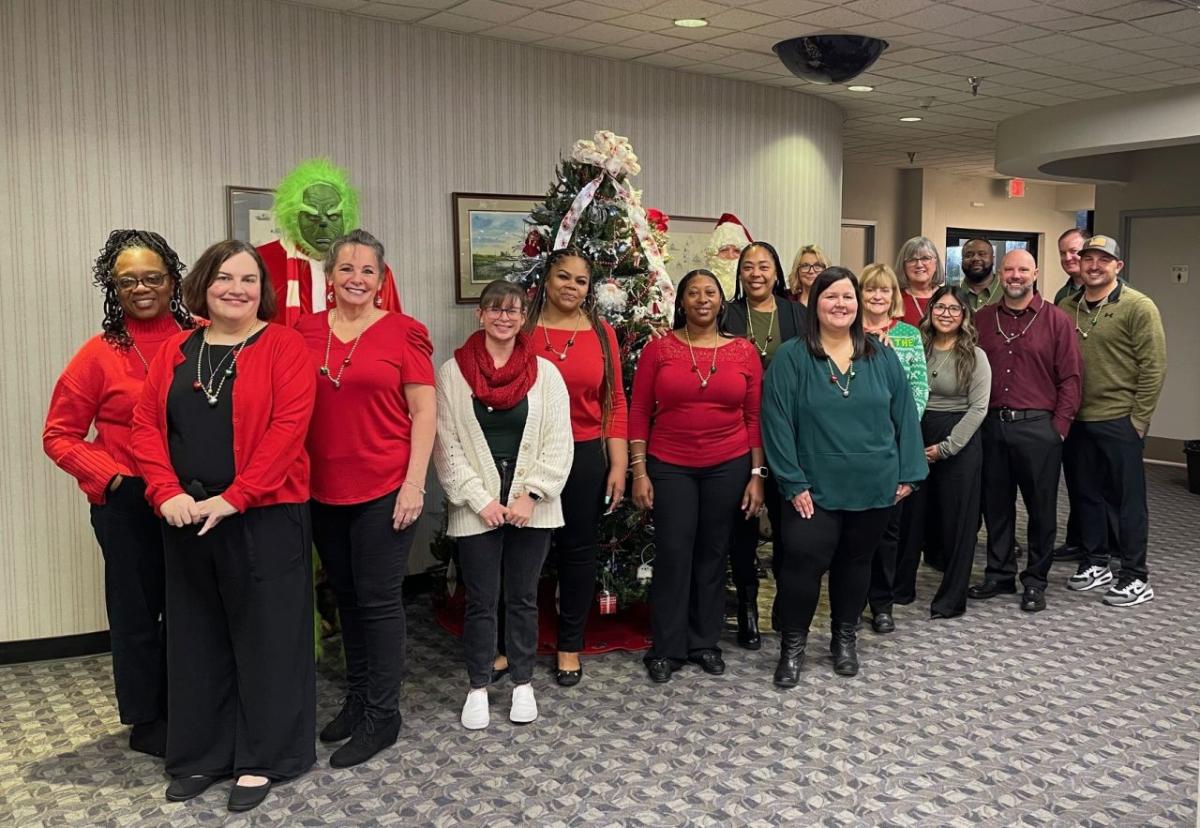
{"x": 73, "y": 408}
{"x": 294, "y": 391}
{"x": 753, "y": 400}
{"x": 618, "y": 425}
{"x": 641, "y": 407}
{"x": 149, "y": 434}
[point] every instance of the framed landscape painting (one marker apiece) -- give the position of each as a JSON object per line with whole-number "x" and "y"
{"x": 489, "y": 231}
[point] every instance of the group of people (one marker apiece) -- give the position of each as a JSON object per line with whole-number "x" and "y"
{"x": 872, "y": 417}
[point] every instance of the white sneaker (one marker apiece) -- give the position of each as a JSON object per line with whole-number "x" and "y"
{"x": 475, "y": 714}
{"x": 1129, "y": 593}
{"x": 524, "y": 705}
{"x": 1089, "y": 577}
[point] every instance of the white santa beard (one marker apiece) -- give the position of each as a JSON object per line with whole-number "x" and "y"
{"x": 726, "y": 273}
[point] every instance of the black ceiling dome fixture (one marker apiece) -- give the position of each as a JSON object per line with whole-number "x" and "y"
{"x": 829, "y": 58}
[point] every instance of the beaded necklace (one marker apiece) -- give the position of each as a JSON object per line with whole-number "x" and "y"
{"x": 696, "y": 368}
{"x": 204, "y": 356}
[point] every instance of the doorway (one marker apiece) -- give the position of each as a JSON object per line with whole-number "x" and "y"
{"x": 858, "y": 244}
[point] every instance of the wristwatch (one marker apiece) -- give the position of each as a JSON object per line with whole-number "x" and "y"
{"x": 760, "y": 471}
{"x": 534, "y": 496}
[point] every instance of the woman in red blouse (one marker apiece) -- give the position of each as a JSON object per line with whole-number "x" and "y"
{"x": 567, "y": 330}
{"x": 921, "y": 266}
{"x": 697, "y": 458}
{"x": 371, "y": 437}
{"x": 219, "y": 436}
{"x": 140, "y": 275}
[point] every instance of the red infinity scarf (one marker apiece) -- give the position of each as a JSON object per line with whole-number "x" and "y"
{"x": 501, "y": 387}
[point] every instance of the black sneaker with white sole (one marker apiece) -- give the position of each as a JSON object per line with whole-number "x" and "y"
{"x": 1089, "y": 577}
{"x": 1129, "y": 592}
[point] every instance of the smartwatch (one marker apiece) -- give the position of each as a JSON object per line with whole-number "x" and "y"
{"x": 760, "y": 471}
{"x": 534, "y": 496}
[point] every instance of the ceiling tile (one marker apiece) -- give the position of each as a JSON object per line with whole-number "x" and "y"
{"x": 785, "y": 8}
{"x": 698, "y": 34}
{"x": 747, "y": 42}
{"x": 605, "y": 33}
{"x": 1169, "y": 23}
{"x": 887, "y": 9}
{"x": 740, "y": 19}
{"x": 643, "y": 22}
{"x": 993, "y": 6}
{"x": 654, "y": 42}
{"x": 332, "y": 5}
{"x": 835, "y": 18}
{"x": 588, "y": 11}
{"x": 454, "y": 23}
{"x": 549, "y": 23}
{"x": 515, "y": 33}
{"x": 1135, "y": 10}
{"x": 748, "y": 60}
{"x": 704, "y": 51}
{"x": 490, "y": 11}
{"x": 665, "y": 59}
{"x": 386, "y": 11}
{"x": 749, "y": 75}
{"x": 618, "y": 52}
{"x": 675, "y": 9}
{"x": 570, "y": 44}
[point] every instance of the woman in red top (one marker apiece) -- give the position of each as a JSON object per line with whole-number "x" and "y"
{"x": 371, "y": 437}
{"x": 693, "y": 437}
{"x": 219, "y": 435}
{"x": 567, "y": 329}
{"x": 140, "y": 276}
{"x": 921, "y": 266}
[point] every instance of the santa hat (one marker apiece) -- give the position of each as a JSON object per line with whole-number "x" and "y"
{"x": 729, "y": 232}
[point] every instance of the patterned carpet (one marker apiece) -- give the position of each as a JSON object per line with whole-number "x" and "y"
{"x": 1081, "y": 715}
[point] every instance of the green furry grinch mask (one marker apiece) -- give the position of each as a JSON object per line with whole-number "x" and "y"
{"x": 315, "y": 204}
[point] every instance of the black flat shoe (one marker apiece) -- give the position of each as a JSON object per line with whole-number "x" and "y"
{"x": 990, "y": 589}
{"x": 248, "y": 797}
{"x": 342, "y": 725}
{"x": 183, "y": 788}
{"x": 843, "y": 646}
{"x": 882, "y": 623}
{"x": 370, "y": 736}
{"x": 659, "y": 670}
{"x": 569, "y": 678}
{"x": 791, "y": 659}
{"x": 149, "y": 738}
{"x": 710, "y": 661}
{"x": 1033, "y": 599}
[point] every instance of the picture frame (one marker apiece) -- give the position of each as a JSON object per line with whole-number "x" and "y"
{"x": 687, "y": 236}
{"x": 248, "y": 215}
{"x": 489, "y": 231}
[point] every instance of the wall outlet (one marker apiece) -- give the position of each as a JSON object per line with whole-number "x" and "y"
{"x": 1179, "y": 274}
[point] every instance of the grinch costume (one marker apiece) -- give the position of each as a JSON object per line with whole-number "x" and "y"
{"x": 314, "y": 205}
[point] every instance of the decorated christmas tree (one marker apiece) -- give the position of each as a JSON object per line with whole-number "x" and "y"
{"x": 592, "y": 206}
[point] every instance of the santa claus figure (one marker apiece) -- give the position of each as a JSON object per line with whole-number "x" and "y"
{"x": 726, "y": 245}
{"x": 314, "y": 205}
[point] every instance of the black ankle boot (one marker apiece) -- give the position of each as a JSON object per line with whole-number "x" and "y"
{"x": 343, "y": 724}
{"x": 844, "y": 646}
{"x": 747, "y": 617}
{"x": 371, "y": 735}
{"x": 791, "y": 658}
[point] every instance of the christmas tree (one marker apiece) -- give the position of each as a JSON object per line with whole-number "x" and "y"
{"x": 592, "y": 206}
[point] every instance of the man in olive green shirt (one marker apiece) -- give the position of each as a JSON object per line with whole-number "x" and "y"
{"x": 1124, "y": 351}
{"x": 981, "y": 286}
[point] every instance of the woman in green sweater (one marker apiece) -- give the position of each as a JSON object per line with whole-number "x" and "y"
{"x": 844, "y": 442}
{"x": 883, "y": 313}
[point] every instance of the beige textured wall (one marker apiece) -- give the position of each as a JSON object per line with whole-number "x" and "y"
{"x": 138, "y": 112}
{"x": 876, "y": 194}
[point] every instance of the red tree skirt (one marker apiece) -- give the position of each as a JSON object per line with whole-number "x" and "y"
{"x": 628, "y": 629}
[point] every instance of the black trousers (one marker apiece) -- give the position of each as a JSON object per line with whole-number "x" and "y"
{"x": 366, "y": 560}
{"x": 135, "y": 596}
{"x": 900, "y": 531}
{"x": 511, "y": 559}
{"x": 944, "y": 511}
{"x": 743, "y": 541}
{"x": 1106, "y": 462}
{"x": 1020, "y": 456}
{"x": 694, "y": 510}
{"x": 839, "y": 542}
{"x": 240, "y": 645}
{"x": 1074, "y": 530}
{"x": 576, "y": 544}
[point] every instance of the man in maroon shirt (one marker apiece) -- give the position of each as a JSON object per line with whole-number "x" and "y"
{"x": 1036, "y": 387}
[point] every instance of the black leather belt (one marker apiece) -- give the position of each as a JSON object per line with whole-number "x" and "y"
{"x": 1011, "y": 415}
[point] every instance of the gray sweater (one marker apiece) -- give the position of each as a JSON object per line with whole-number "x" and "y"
{"x": 945, "y": 395}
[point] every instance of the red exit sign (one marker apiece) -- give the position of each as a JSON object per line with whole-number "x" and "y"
{"x": 1016, "y": 188}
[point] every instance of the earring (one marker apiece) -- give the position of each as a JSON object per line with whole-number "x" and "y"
{"x": 329, "y": 295}
{"x": 378, "y": 301}
{"x": 175, "y": 305}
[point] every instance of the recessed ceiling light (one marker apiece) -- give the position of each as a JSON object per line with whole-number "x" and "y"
{"x": 691, "y": 22}
{"x": 859, "y": 87}
{"x": 910, "y": 119}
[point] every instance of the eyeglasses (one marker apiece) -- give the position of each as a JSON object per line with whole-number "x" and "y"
{"x": 925, "y": 260}
{"x": 507, "y": 313}
{"x": 150, "y": 280}
{"x": 947, "y": 310}
{"x": 809, "y": 268}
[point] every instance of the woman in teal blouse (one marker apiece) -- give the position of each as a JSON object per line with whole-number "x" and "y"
{"x": 843, "y": 440}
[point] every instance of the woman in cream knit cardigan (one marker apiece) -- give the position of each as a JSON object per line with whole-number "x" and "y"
{"x": 504, "y": 450}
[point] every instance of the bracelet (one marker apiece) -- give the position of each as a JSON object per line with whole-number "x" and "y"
{"x": 640, "y": 458}
{"x": 414, "y": 485}
{"x": 639, "y": 476}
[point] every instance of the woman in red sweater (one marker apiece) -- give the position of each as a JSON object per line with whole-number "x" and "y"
{"x": 567, "y": 329}
{"x": 219, "y": 435}
{"x": 140, "y": 275}
{"x": 697, "y": 459}
{"x": 371, "y": 437}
